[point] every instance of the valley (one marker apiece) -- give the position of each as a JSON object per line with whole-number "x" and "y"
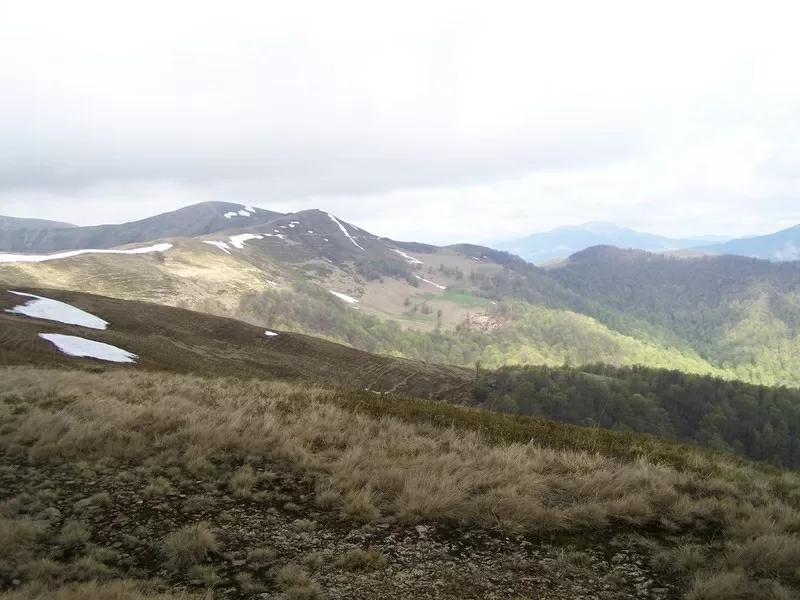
{"x": 300, "y": 409}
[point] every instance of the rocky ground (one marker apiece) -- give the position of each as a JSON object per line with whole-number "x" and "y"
{"x": 274, "y": 534}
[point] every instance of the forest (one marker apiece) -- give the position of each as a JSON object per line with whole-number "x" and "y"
{"x": 758, "y": 422}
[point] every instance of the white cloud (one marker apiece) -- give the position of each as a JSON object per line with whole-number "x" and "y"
{"x": 425, "y": 120}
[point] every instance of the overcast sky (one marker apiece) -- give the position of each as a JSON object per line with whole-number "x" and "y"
{"x": 430, "y": 120}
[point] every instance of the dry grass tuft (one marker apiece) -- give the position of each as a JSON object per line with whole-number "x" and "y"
{"x": 361, "y": 560}
{"x": 189, "y": 546}
{"x": 767, "y": 554}
{"x": 75, "y": 534}
{"x": 261, "y": 557}
{"x": 160, "y": 486}
{"x": 297, "y": 584}
{"x": 243, "y": 480}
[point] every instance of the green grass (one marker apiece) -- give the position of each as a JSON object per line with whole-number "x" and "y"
{"x": 456, "y": 297}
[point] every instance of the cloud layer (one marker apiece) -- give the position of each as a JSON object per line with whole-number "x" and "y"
{"x": 434, "y": 120}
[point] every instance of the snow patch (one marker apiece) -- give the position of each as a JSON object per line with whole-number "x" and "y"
{"x": 221, "y": 245}
{"x": 250, "y": 209}
{"x": 230, "y": 215}
{"x": 244, "y": 213}
{"x": 269, "y": 333}
{"x": 77, "y": 346}
{"x": 441, "y": 287}
{"x": 326, "y": 239}
{"x": 18, "y": 258}
{"x": 239, "y": 240}
{"x": 344, "y": 297}
{"x": 309, "y": 231}
{"x": 409, "y": 259}
{"x": 344, "y": 231}
{"x": 53, "y": 310}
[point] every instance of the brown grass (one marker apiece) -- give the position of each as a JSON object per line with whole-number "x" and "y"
{"x": 387, "y": 467}
{"x": 189, "y": 546}
{"x": 182, "y": 341}
{"x": 118, "y": 590}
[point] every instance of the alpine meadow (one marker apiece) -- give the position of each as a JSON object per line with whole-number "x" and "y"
{"x": 411, "y": 301}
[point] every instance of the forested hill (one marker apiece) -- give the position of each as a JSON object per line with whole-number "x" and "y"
{"x": 739, "y": 314}
{"x": 758, "y": 422}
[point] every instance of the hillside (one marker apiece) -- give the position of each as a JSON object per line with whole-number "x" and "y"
{"x": 313, "y": 273}
{"x": 182, "y": 341}
{"x": 734, "y": 311}
{"x": 558, "y": 243}
{"x": 779, "y": 246}
{"x": 136, "y": 482}
{"x": 758, "y": 422}
{"x": 190, "y": 221}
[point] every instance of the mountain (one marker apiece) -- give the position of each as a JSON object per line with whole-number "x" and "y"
{"x": 15, "y": 223}
{"x": 314, "y": 273}
{"x": 199, "y": 219}
{"x": 226, "y": 461}
{"x": 564, "y": 241}
{"x": 779, "y": 246}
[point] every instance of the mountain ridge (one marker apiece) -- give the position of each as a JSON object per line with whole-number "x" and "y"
{"x": 189, "y": 221}
{"x": 567, "y": 240}
{"x": 783, "y": 245}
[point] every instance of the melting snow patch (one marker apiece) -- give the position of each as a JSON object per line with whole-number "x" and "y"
{"x": 441, "y": 287}
{"x": 344, "y": 231}
{"x": 269, "y": 333}
{"x": 239, "y": 240}
{"x": 221, "y": 245}
{"x": 53, "y": 310}
{"x": 244, "y": 213}
{"x": 77, "y": 346}
{"x": 13, "y": 258}
{"x": 230, "y": 215}
{"x": 344, "y": 297}
{"x": 409, "y": 259}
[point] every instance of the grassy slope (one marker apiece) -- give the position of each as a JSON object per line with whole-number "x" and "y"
{"x": 183, "y": 341}
{"x": 224, "y": 483}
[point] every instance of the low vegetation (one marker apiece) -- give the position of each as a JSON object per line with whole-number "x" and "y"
{"x": 711, "y": 523}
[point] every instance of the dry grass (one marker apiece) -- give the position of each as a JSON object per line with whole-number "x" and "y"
{"x": 297, "y": 584}
{"x": 118, "y": 590}
{"x": 384, "y": 466}
{"x": 189, "y": 546}
{"x": 243, "y": 480}
{"x": 361, "y": 560}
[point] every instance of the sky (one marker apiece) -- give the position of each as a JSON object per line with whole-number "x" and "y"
{"x": 435, "y": 121}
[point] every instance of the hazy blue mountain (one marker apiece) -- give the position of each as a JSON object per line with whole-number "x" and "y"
{"x": 564, "y": 241}
{"x": 779, "y": 246}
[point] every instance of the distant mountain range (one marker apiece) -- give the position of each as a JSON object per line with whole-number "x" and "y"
{"x": 562, "y": 242}
{"x": 779, "y": 246}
